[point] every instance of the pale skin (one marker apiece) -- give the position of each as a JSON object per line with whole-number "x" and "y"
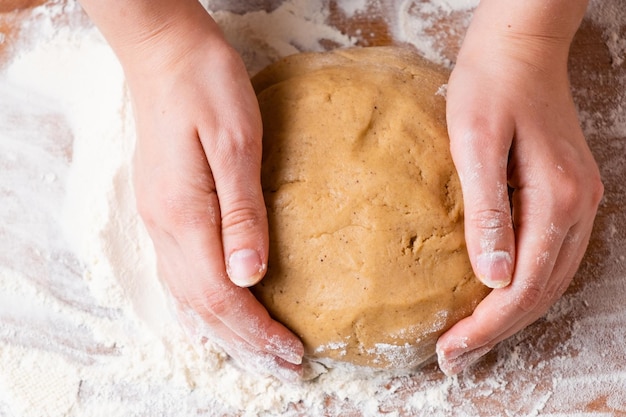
{"x": 198, "y": 155}
{"x": 512, "y": 120}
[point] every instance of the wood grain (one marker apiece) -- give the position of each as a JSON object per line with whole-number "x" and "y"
{"x": 545, "y": 351}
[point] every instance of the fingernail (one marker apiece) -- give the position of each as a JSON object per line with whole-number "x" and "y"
{"x": 454, "y": 347}
{"x": 494, "y": 269}
{"x": 245, "y": 267}
{"x": 453, "y": 366}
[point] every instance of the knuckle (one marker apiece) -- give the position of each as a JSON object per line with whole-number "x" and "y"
{"x": 578, "y": 192}
{"x": 183, "y": 214}
{"x": 244, "y": 218}
{"x": 478, "y": 139}
{"x": 173, "y": 208}
{"x": 490, "y": 219}
{"x": 569, "y": 192}
{"x": 560, "y": 288}
{"x": 214, "y": 301}
{"x": 597, "y": 189}
{"x": 529, "y": 299}
{"x": 475, "y": 130}
{"x": 237, "y": 143}
{"x": 148, "y": 207}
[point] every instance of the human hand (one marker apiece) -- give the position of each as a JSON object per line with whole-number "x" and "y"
{"x": 512, "y": 123}
{"x": 197, "y": 182}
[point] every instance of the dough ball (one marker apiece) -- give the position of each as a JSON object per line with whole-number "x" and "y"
{"x": 368, "y": 262}
{"x": 8, "y": 6}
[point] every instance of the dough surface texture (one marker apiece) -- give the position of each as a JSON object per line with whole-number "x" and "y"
{"x": 368, "y": 263}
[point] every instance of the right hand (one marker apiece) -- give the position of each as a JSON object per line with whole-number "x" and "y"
{"x": 512, "y": 122}
{"x": 197, "y": 182}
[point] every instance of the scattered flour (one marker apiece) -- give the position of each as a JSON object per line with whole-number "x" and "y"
{"x": 263, "y": 37}
{"x": 611, "y": 15}
{"x": 85, "y": 327}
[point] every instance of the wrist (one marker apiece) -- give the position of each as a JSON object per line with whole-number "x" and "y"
{"x": 537, "y": 33}
{"x": 153, "y": 35}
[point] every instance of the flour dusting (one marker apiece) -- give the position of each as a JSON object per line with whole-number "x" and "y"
{"x": 86, "y": 328}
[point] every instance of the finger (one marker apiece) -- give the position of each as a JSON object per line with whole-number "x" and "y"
{"x": 570, "y": 260}
{"x": 480, "y": 155}
{"x": 234, "y": 154}
{"x": 170, "y": 268}
{"x": 212, "y": 295}
{"x": 472, "y": 338}
{"x": 502, "y": 313}
{"x": 174, "y": 267}
{"x": 200, "y": 330}
{"x": 263, "y": 363}
{"x": 244, "y": 221}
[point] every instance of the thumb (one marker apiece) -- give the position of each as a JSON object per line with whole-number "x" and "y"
{"x": 245, "y": 240}
{"x": 481, "y": 155}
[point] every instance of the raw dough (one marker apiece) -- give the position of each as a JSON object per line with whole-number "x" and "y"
{"x": 368, "y": 262}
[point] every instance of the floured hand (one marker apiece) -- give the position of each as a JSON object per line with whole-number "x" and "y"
{"x": 197, "y": 173}
{"x": 512, "y": 123}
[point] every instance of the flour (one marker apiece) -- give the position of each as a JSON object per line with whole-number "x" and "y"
{"x": 263, "y": 37}
{"x": 86, "y": 328}
{"x": 611, "y": 15}
{"x": 419, "y": 23}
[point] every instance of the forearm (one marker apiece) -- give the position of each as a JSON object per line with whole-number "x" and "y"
{"x": 535, "y": 31}
{"x": 145, "y": 33}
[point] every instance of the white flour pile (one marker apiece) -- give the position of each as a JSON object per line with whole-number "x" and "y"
{"x": 85, "y": 329}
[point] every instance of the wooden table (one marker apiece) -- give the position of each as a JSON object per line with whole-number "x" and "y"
{"x": 573, "y": 361}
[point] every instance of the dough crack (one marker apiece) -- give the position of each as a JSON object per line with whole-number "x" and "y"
{"x": 340, "y": 230}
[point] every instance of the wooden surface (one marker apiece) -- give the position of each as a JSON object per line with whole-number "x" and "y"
{"x": 556, "y": 355}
